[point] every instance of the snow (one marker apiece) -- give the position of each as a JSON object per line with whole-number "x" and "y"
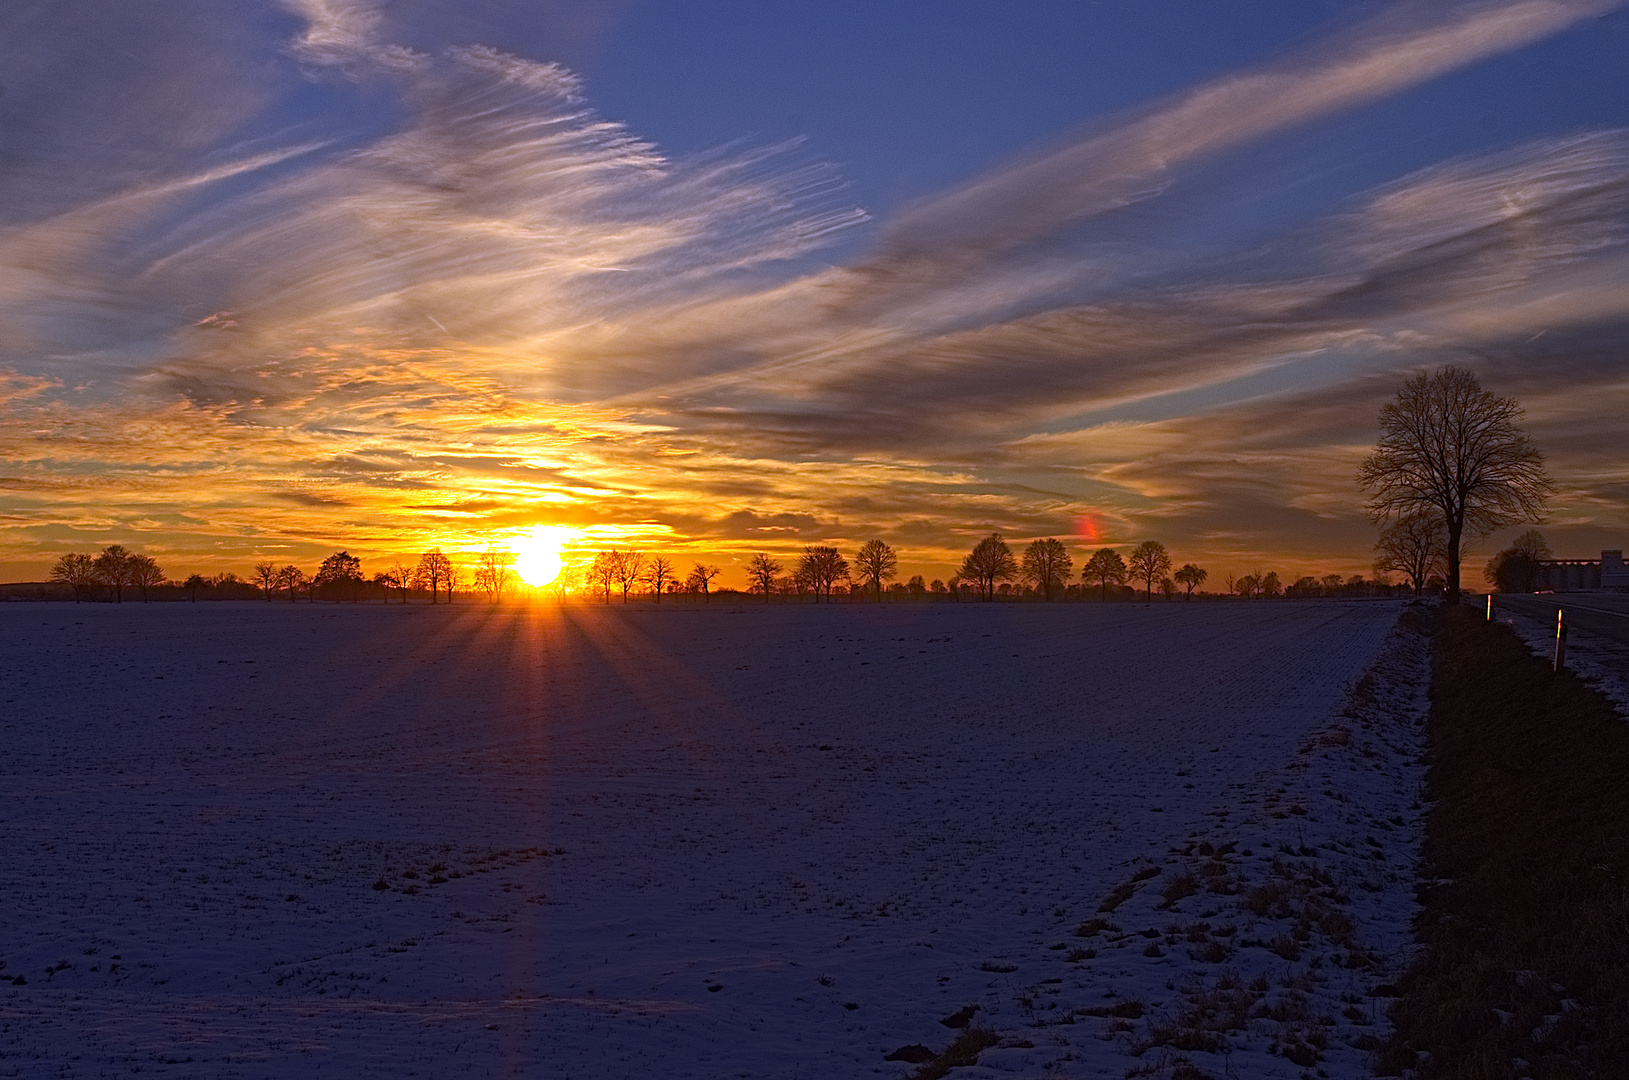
{"x": 1602, "y": 661}
{"x": 250, "y": 840}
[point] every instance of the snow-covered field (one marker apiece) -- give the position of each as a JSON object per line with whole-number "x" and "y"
{"x": 258, "y": 840}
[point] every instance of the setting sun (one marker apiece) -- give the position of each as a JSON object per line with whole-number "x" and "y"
{"x": 537, "y": 553}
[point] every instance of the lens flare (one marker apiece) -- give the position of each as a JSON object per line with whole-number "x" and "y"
{"x": 537, "y": 553}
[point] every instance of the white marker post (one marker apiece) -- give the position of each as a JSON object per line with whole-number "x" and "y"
{"x": 1559, "y": 659}
{"x": 1490, "y": 607}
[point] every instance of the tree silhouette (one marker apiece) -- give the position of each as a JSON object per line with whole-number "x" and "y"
{"x": 659, "y": 572}
{"x": 266, "y": 578}
{"x": 1150, "y": 561}
{"x": 761, "y": 572}
{"x": 629, "y": 569}
{"x": 1453, "y": 449}
{"x": 603, "y": 570}
{"x": 339, "y": 576}
{"x": 1271, "y": 587}
{"x": 492, "y": 572}
{"x": 821, "y": 568}
{"x": 432, "y": 570}
{"x": 1191, "y": 577}
{"x": 144, "y": 574}
{"x": 990, "y": 561}
{"x": 701, "y": 576}
{"x": 916, "y": 587}
{"x": 1518, "y": 568}
{"x": 1047, "y": 564}
{"x": 1105, "y": 567}
{"x": 387, "y": 580}
{"x": 876, "y": 563}
{"x": 1413, "y": 545}
{"x": 76, "y": 570}
{"x": 194, "y": 583}
{"x": 113, "y": 569}
{"x": 293, "y": 579}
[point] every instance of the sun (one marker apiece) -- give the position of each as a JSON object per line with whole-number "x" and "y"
{"x": 537, "y": 553}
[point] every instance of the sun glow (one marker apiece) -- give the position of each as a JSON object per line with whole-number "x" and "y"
{"x": 537, "y": 553}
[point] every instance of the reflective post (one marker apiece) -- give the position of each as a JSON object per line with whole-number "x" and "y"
{"x": 1490, "y": 607}
{"x": 1559, "y": 659}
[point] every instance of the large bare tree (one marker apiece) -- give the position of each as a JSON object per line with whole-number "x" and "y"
{"x": 1047, "y": 565}
{"x": 1105, "y": 567}
{"x": 434, "y": 568}
{"x": 493, "y": 570}
{"x": 822, "y": 567}
{"x": 700, "y": 579}
{"x": 990, "y": 561}
{"x": 266, "y": 578}
{"x": 1150, "y": 561}
{"x": 145, "y": 573}
{"x": 658, "y": 573}
{"x": 76, "y": 570}
{"x": 113, "y": 569}
{"x": 876, "y": 562}
{"x": 761, "y": 572}
{"x": 630, "y": 570}
{"x": 1413, "y": 545}
{"x": 1454, "y": 450}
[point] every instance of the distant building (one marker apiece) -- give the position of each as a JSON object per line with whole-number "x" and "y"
{"x": 1575, "y": 575}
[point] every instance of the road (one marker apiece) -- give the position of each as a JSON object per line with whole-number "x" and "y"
{"x": 1600, "y": 615}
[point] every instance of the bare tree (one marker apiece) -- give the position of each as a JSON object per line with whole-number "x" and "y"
{"x": 113, "y": 569}
{"x": 1413, "y": 545}
{"x": 916, "y": 586}
{"x": 193, "y": 584}
{"x": 387, "y": 580}
{"x": 821, "y": 568}
{"x": 1453, "y": 449}
{"x": 1271, "y": 586}
{"x": 1191, "y": 577}
{"x": 266, "y": 578}
{"x": 876, "y": 563}
{"x": 76, "y": 570}
{"x": 761, "y": 572}
{"x": 1168, "y": 587}
{"x": 603, "y": 571}
{"x": 492, "y": 572}
{"x": 293, "y": 579}
{"x": 145, "y": 574}
{"x": 658, "y": 573}
{"x": 432, "y": 570}
{"x": 1150, "y": 561}
{"x": 1047, "y": 564}
{"x": 1105, "y": 567}
{"x": 990, "y": 561}
{"x": 630, "y": 567}
{"x": 406, "y": 577}
{"x": 701, "y": 576}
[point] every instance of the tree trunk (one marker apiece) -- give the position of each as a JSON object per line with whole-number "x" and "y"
{"x": 1455, "y": 529}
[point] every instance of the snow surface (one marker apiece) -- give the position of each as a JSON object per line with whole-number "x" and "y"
{"x": 269, "y": 840}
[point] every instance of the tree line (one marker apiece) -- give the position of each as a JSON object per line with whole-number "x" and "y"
{"x": 1044, "y": 570}
{"x": 339, "y": 578}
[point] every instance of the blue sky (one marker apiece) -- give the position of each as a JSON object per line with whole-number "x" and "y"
{"x": 288, "y": 276}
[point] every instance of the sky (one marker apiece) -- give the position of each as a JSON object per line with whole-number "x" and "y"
{"x": 281, "y": 278}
